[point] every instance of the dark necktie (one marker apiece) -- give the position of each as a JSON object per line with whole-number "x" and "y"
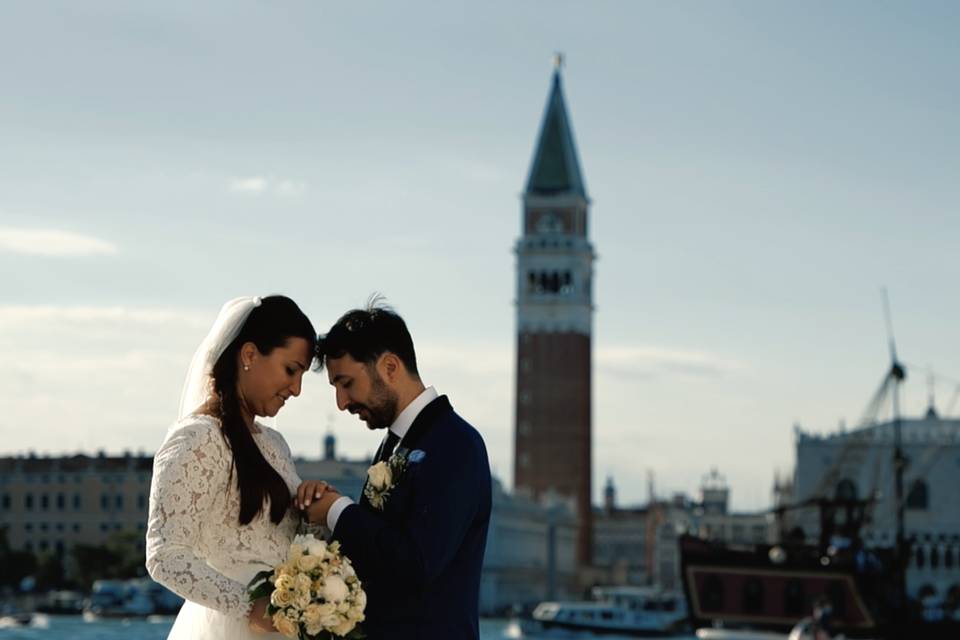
{"x": 392, "y": 440}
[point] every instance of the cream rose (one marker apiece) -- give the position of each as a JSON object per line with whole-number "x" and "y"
{"x": 311, "y": 617}
{"x": 296, "y": 550}
{"x": 284, "y": 592}
{"x": 285, "y": 625}
{"x": 282, "y": 598}
{"x": 344, "y": 627}
{"x": 380, "y": 476}
{"x": 308, "y": 563}
{"x": 330, "y": 620}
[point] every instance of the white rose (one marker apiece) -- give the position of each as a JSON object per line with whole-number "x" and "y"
{"x": 334, "y": 589}
{"x": 316, "y": 547}
{"x": 380, "y": 476}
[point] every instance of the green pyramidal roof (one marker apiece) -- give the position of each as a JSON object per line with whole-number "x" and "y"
{"x": 556, "y": 167}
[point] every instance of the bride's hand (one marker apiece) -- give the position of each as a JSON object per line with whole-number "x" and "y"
{"x": 310, "y": 490}
{"x": 258, "y": 619}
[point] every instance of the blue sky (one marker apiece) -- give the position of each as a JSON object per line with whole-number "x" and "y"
{"x": 758, "y": 171}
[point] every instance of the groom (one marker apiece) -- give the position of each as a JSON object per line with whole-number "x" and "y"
{"x": 417, "y": 536}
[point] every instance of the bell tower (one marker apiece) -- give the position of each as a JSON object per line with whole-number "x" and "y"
{"x": 552, "y": 433}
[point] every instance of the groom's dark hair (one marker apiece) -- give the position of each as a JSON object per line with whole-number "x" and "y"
{"x": 366, "y": 334}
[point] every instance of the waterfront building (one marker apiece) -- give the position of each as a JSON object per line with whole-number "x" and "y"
{"x": 858, "y": 464}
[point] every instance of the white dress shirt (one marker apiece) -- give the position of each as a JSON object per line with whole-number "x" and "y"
{"x": 399, "y": 427}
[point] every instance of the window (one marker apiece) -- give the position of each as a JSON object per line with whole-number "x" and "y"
{"x": 76, "y": 527}
{"x": 61, "y": 501}
{"x": 918, "y": 497}
{"x": 752, "y": 595}
{"x": 104, "y": 502}
{"x": 712, "y": 593}
{"x": 6, "y": 501}
{"x": 119, "y": 502}
{"x": 141, "y": 502}
{"x": 44, "y": 502}
{"x": 846, "y": 490}
{"x": 77, "y": 502}
{"x": 794, "y": 598}
{"x": 28, "y": 501}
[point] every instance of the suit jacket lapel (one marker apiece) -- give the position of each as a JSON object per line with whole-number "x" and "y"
{"x": 424, "y": 421}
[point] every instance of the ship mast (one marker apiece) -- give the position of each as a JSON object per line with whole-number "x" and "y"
{"x": 895, "y": 378}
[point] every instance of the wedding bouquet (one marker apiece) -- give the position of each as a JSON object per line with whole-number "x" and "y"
{"x": 315, "y": 594}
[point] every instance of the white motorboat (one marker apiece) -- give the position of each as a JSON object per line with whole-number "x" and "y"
{"x": 626, "y": 611}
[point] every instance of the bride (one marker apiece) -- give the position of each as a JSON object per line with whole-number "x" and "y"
{"x": 222, "y": 482}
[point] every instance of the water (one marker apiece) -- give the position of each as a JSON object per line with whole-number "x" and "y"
{"x": 74, "y": 628}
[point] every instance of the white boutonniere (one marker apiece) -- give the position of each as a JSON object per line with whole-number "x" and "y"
{"x": 382, "y": 477}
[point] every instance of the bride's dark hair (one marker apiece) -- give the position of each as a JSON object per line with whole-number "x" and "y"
{"x": 268, "y": 326}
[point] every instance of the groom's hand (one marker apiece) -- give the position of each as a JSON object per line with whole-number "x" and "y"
{"x": 317, "y": 511}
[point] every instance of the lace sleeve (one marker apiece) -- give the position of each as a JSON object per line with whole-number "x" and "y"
{"x": 189, "y": 470}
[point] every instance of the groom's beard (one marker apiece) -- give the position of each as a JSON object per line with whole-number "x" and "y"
{"x": 381, "y": 408}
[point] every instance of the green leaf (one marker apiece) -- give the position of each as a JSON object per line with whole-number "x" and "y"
{"x": 263, "y": 575}
{"x": 262, "y": 591}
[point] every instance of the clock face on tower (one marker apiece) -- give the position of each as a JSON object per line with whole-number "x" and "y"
{"x": 550, "y": 222}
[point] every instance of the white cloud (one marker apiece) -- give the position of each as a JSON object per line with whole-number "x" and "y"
{"x": 255, "y": 185}
{"x": 649, "y": 361}
{"x": 52, "y": 242}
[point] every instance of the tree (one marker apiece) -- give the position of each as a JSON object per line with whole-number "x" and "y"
{"x": 16, "y": 564}
{"x": 119, "y": 558}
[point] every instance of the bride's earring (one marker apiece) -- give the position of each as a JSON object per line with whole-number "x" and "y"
{"x": 246, "y": 367}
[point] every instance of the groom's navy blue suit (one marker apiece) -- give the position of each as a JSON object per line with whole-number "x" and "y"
{"x": 419, "y": 559}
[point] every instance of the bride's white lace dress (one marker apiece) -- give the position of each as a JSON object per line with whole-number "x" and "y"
{"x": 196, "y": 546}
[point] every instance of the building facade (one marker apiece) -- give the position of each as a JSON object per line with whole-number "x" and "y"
{"x": 51, "y": 504}
{"x": 531, "y": 553}
{"x": 858, "y": 464}
{"x": 552, "y": 435}
{"x": 619, "y": 542}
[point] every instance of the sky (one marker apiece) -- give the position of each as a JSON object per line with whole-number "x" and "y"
{"x": 758, "y": 172}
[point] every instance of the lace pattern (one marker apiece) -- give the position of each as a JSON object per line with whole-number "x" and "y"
{"x": 196, "y": 546}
